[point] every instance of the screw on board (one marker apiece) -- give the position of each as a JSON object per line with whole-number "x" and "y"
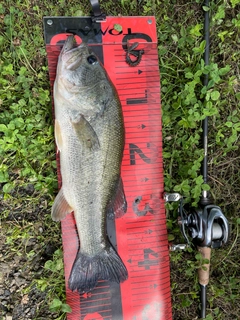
{"x": 50, "y": 22}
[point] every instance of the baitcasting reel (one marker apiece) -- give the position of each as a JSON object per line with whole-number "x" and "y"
{"x": 206, "y": 225}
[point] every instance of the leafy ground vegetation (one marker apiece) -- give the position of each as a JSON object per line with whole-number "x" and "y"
{"x": 31, "y": 267}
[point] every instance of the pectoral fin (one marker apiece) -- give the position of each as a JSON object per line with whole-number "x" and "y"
{"x": 60, "y": 207}
{"x": 85, "y": 132}
{"x": 58, "y": 135}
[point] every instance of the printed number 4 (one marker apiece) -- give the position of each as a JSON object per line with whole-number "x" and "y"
{"x": 147, "y": 262}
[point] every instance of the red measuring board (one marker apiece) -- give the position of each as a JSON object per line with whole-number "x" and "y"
{"x": 140, "y": 236}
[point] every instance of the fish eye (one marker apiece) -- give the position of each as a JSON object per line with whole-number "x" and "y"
{"x": 92, "y": 60}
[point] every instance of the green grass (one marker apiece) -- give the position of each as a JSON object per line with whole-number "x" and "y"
{"x": 27, "y": 151}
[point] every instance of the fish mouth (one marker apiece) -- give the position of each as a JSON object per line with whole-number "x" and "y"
{"x": 69, "y": 44}
{"x": 71, "y": 54}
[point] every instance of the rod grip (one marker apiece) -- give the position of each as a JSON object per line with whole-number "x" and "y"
{"x": 203, "y": 274}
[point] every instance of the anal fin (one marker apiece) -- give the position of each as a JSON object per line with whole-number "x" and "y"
{"x": 60, "y": 207}
{"x": 118, "y": 206}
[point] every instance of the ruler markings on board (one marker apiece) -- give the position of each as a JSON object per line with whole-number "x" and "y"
{"x": 155, "y": 232}
{"x": 144, "y": 234}
{"x": 146, "y": 282}
{"x": 139, "y": 82}
{"x": 139, "y": 247}
{"x": 136, "y": 278}
{"x": 138, "y": 144}
{"x": 140, "y": 112}
{"x": 152, "y": 126}
{"x": 145, "y": 230}
{"x": 125, "y": 80}
{"x": 139, "y": 90}
{"x": 150, "y": 180}
{"x": 146, "y": 245}
{"x": 153, "y": 219}
{"x": 144, "y": 179}
{"x": 140, "y": 70}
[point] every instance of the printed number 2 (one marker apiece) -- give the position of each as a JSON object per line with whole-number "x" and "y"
{"x": 133, "y": 149}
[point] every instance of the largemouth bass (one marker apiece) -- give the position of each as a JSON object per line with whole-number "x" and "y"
{"x": 89, "y": 134}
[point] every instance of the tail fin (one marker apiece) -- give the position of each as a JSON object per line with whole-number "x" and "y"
{"x": 87, "y": 270}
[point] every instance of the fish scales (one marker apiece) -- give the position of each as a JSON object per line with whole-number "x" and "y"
{"x": 89, "y": 134}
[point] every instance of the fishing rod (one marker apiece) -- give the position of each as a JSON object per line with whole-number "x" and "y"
{"x": 206, "y": 225}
